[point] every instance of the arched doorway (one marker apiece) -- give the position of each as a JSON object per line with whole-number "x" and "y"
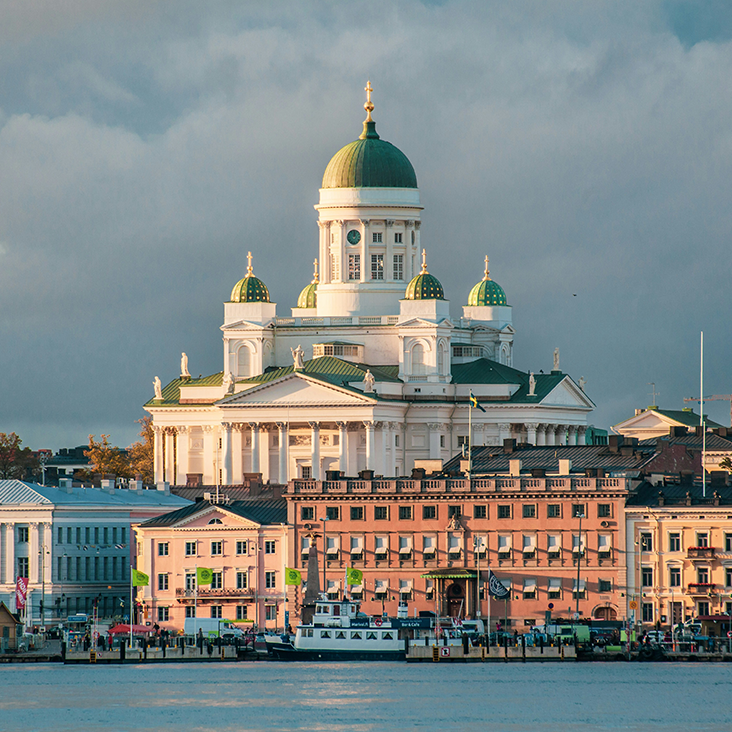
{"x": 455, "y": 600}
{"x": 605, "y": 613}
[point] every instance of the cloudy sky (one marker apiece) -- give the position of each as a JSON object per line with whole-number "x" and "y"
{"x": 146, "y": 145}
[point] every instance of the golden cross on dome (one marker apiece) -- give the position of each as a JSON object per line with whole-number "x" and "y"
{"x": 424, "y": 262}
{"x": 250, "y": 272}
{"x": 485, "y": 276}
{"x": 315, "y": 272}
{"x": 369, "y": 107}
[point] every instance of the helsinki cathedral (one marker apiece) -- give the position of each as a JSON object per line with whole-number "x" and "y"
{"x": 369, "y": 372}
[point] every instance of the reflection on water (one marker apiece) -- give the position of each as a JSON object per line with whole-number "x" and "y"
{"x": 366, "y": 697}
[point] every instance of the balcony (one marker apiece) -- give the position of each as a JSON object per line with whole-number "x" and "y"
{"x": 700, "y": 552}
{"x": 209, "y": 593}
{"x": 701, "y": 588}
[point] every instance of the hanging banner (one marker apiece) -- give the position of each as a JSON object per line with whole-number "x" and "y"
{"x": 21, "y": 593}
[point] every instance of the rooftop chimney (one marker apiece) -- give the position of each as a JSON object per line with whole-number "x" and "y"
{"x": 509, "y": 445}
{"x": 65, "y": 485}
{"x": 514, "y": 468}
{"x": 164, "y": 487}
{"x": 565, "y": 467}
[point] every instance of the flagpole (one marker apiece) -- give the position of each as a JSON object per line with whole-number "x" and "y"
{"x": 195, "y": 597}
{"x": 131, "y": 606}
{"x": 489, "y": 606}
{"x": 470, "y": 435}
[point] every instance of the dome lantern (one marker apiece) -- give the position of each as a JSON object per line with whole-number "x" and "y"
{"x": 424, "y": 286}
{"x": 250, "y": 288}
{"x": 487, "y": 293}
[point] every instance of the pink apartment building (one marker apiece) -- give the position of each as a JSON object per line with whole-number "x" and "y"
{"x": 430, "y": 542}
{"x": 244, "y": 543}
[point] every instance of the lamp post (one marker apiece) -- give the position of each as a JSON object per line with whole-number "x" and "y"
{"x": 581, "y": 515}
{"x": 476, "y": 549}
{"x": 324, "y": 519}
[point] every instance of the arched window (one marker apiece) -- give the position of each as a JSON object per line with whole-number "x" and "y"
{"x": 215, "y": 521}
{"x": 418, "y": 364}
{"x": 242, "y": 362}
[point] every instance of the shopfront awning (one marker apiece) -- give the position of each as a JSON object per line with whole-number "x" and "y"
{"x": 454, "y": 573}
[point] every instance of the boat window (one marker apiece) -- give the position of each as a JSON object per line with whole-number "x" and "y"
{"x": 325, "y": 634}
{"x": 308, "y": 632}
{"x": 319, "y": 609}
{"x": 355, "y": 635}
{"x": 340, "y": 634}
{"x": 387, "y": 636}
{"x": 336, "y": 610}
{"x": 370, "y": 636}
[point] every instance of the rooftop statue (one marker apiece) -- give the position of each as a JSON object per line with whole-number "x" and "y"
{"x": 158, "y": 386}
{"x": 297, "y": 354}
{"x": 184, "y": 366}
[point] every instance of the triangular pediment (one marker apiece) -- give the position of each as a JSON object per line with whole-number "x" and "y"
{"x": 567, "y": 394}
{"x": 242, "y": 325}
{"x": 650, "y": 420}
{"x": 215, "y": 517}
{"x": 425, "y": 323}
{"x": 297, "y": 389}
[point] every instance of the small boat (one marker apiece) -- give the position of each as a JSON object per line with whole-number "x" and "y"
{"x": 340, "y": 632}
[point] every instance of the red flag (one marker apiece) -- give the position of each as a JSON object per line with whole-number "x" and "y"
{"x": 21, "y": 592}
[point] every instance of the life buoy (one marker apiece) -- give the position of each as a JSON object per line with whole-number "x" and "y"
{"x": 378, "y": 622}
{"x": 729, "y": 633}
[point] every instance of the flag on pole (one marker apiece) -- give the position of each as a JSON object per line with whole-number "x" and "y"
{"x": 496, "y": 587}
{"x": 474, "y": 403}
{"x": 354, "y": 576}
{"x": 139, "y": 579}
{"x": 292, "y": 576}
{"x": 204, "y": 575}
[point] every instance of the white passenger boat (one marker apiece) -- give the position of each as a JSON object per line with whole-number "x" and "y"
{"x": 339, "y": 632}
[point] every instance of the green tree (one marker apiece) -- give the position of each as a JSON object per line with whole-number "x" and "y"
{"x": 141, "y": 452}
{"x": 106, "y": 459}
{"x": 726, "y": 463}
{"x": 16, "y": 461}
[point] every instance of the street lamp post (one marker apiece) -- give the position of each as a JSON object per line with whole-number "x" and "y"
{"x": 476, "y": 549}
{"x": 324, "y": 519}
{"x": 579, "y": 562}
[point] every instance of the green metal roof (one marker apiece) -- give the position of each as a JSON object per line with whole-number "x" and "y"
{"x": 690, "y": 419}
{"x": 369, "y": 162}
{"x": 332, "y": 369}
{"x": 424, "y": 287}
{"x": 260, "y": 511}
{"x": 171, "y": 392}
{"x": 250, "y": 289}
{"x": 487, "y": 292}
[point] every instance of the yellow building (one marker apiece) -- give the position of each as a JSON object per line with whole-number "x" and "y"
{"x": 679, "y": 550}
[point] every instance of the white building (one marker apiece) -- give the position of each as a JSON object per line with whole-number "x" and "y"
{"x": 369, "y": 371}
{"x": 73, "y": 544}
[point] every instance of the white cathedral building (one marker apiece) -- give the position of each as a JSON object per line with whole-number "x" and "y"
{"x": 369, "y": 371}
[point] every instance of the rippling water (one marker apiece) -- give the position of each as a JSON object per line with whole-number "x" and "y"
{"x": 366, "y": 696}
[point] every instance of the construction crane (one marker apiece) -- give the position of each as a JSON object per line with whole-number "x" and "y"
{"x": 714, "y": 398}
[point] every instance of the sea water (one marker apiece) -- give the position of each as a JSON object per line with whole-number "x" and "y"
{"x": 366, "y": 696}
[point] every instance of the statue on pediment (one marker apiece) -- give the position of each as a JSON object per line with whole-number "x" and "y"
{"x": 158, "y": 386}
{"x": 297, "y": 354}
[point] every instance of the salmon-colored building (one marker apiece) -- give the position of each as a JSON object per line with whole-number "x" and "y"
{"x": 242, "y": 542}
{"x": 431, "y": 542}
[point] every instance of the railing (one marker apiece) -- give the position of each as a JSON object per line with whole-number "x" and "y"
{"x": 700, "y": 552}
{"x": 463, "y": 485}
{"x": 180, "y": 592}
{"x": 338, "y": 320}
{"x": 701, "y": 588}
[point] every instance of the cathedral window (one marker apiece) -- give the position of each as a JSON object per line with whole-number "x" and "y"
{"x": 377, "y": 237}
{"x": 377, "y": 266}
{"x": 418, "y": 364}
{"x": 242, "y": 361}
{"x": 399, "y": 266}
{"x": 354, "y": 266}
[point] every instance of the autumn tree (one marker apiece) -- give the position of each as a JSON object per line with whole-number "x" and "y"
{"x": 141, "y": 452}
{"x": 106, "y": 459}
{"x": 16, "y": 461}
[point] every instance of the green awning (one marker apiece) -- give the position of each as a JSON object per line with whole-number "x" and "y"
{"x": 451, "y": 574}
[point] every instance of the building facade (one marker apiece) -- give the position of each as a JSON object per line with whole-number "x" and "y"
{"x": 680, "y": 542}
{"x": 431, "y": 543}
{"x": 243, "y": 543}
{"x": 370, "y": 371}
{"x": 75, "y": 545}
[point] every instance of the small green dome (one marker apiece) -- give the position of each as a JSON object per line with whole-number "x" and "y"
{"x": 309, "y": 295}
{"x": 424, "y": 286}
{"x": 251, "y": 288}
{"x": 486, "y": 292}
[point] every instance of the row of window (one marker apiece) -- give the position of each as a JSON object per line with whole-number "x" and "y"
{"x": 429, "y": 545}
{"x": 217, "y": 548}
{"x": 675, "y": 576}
{"x": 674, "y": 541}
{"x": 480, "y": 511}
{"x": 81, "y": 535}
{"x": 217, "y": 580}
{"x": 377, "y": 267}
{"x": 217, "y": 611}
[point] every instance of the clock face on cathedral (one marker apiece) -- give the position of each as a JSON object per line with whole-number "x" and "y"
{"x": 372, "y": 371}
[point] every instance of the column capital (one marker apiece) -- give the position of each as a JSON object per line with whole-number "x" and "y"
{"x": 581, "y": 429}
{"x": 207, "y": 428}
{"x": 314, "y": 425}
{"x": 417, "y": 225}
{"x": 281, "y": 426}
{"x": 364, "y": 222}
{"x": 157, "y": 429}
{"x": 254, "y": 425}
{"x": 478, "y": 427}
{"x": 369, "y": 425}
{"x": 389, "y": 223}
{"x": 228, "y": 426}
{"x": 531, "y": 425}
{"x": 182, "y": 429}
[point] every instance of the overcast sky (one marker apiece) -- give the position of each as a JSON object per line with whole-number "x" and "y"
{"x": 145, "y": 146}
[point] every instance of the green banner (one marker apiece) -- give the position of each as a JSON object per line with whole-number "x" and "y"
{"x": 354, "y": 576}
{"x": 204, "y": 575}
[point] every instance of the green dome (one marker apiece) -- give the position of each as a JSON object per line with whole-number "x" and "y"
{"x": 369, "y": 162}
{"x": 251, "y": 288}
{"x": 309, "y": 296}
{"x": 486, "y": 292}
{"x": 424, "y": 286}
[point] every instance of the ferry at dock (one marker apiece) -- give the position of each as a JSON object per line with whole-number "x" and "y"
{"x": 340, "y": 632}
